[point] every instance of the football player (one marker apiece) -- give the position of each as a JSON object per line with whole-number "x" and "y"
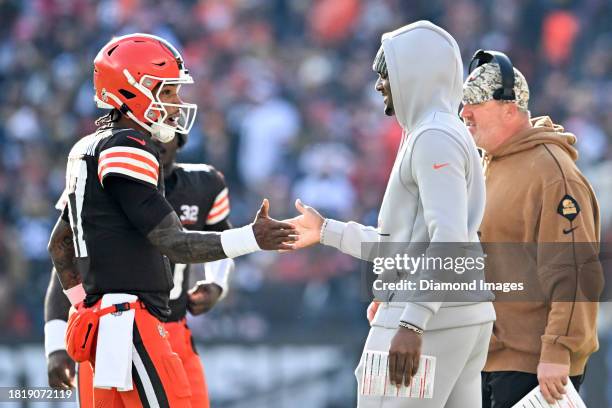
{"x": 112, "y": 245}
{"x": 198, "y": 194}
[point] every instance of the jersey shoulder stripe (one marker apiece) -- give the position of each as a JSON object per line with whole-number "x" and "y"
{"x": 125, "y": 170}
{"x": 214, "y": 218}
{"x": 130, "y": 152}
{"x": 220, "y": 209}
{"x": 221, "y": 197}
{"x": 130, "y": 161}
{"x": 115, "y": 157}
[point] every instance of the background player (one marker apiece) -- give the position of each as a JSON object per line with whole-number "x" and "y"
{"x": 112, "y": 243}
{"x": 198, "y": 194}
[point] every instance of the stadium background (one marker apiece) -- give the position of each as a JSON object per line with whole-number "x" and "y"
{"x": 287, "y": 109}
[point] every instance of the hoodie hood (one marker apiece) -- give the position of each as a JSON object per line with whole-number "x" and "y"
{"x": 544, "y": 131}
{"x": 425, "y": 72}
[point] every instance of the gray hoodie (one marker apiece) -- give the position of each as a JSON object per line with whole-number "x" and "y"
{"x": 435, "y": 192}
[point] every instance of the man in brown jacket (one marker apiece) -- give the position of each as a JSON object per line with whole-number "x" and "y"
{"x": 535, "y": 195}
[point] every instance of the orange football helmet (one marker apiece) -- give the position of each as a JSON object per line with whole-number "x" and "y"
{"x": 129, "y": 74}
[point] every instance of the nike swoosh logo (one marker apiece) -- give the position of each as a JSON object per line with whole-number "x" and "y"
{"x": 439, "y": 166}
{"x": 567, "y": 231}
{"x": 142, "y": 142}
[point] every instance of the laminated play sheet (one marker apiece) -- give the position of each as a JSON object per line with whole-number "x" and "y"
{"x": 535, "y": 399}
{"x": 375, "y": 380}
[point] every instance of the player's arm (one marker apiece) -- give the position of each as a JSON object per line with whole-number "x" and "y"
{"x": 149, "y": 212}
{"x": 215, "y": 285}
{"x": 128, "y": 169}
{"x": 61, "y": 249}
{"x": 185, "y": 246}
{"x": 57, "y": 304}
{"x": 60, "y": 367}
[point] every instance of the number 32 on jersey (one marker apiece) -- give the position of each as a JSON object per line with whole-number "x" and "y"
{"x": 189, "y": 214}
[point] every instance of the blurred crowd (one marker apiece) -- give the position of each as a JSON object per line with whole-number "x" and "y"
{"x": 287, "y": 108}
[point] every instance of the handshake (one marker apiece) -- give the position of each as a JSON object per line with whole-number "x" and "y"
{"x": 294, "y": 233}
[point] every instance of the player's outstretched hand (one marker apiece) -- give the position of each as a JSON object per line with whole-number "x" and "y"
{"x": 308, "y": 225}
{"x": 272, "y": 234}
{"x": 60, "y": 369}
{"x": 203, "y": 297}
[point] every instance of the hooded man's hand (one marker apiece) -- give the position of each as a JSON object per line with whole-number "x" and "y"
{"x": 404, "y": 356}
{"x": 308, "y": 224}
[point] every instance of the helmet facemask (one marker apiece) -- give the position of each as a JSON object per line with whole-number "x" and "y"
{"x": 156, "y": 113}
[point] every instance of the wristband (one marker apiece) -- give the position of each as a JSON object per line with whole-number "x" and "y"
{"x": 239, "y": 241}
{"x": 409, "y": 326}
{"x": 55, "y": 331}
{"x": 75, "y": 294}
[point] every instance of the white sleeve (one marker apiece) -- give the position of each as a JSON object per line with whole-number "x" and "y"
{"x": 62, "y": 201}
{"x": 438, "y": 165}
{"x": 348, "y": 237}
{"x": 219, "y": 272}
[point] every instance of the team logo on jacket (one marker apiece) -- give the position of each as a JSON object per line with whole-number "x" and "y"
{"x": 568, "y": 207}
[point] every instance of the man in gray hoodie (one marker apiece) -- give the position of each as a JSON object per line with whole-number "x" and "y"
{"x": 435, "y": 194}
